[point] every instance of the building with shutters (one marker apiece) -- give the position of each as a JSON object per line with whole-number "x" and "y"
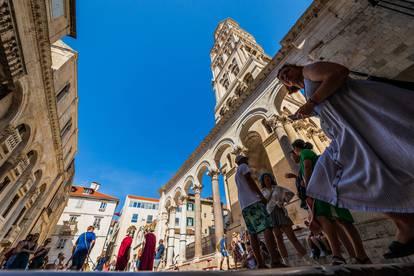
{"x": 86, "y": 206}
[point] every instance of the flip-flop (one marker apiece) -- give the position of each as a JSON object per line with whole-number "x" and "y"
{"x": 399, "y": 250}
{"x": 336, "y": 260}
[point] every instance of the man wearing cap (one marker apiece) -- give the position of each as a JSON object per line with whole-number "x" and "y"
{"x": 256, "y": 218}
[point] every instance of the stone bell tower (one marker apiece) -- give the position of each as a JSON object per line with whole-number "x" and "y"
{"x": 236, "y": 59}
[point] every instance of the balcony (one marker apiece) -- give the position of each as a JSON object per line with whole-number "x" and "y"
{"x": 12, "y": 140}
{"x": 11, "y": 236}
{"x": 11, "y": 56}
{"x": 69, "y": 228}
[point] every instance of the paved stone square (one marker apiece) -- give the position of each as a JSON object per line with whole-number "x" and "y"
{"x": 365, "y": 270}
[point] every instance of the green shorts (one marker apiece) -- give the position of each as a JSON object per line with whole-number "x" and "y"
{"x": 324, "y": 209}
{"x": 256, "y": 218}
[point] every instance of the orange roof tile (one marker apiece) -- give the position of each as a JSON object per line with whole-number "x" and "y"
{"x": 78, "y": 191}
{"x": 144, "y": 198}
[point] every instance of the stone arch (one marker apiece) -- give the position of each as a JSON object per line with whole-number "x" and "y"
{"x": 224, "y": 145}
{"x": 188, "y": 184}
{"x": 169, "y": 202}
{"x": 13, "y": 104}
{"x": 201, "y": 170}
{"x": 277, "y": 97}
{"x": 177, "y": 195}
{"x": 253, "y": 117}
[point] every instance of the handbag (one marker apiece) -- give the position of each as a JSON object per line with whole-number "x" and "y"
{"x": 398, "y": 83}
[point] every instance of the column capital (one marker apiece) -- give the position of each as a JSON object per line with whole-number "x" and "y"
{"x": 197, "y": 189}
{"x": 172, "y": 209}
{"x": 239, "y": 150}
{"x": 183, "y": 199}
{"x": 213, "y": 173}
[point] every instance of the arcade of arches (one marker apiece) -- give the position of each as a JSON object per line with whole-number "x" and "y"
{"x": 252, "y": 111}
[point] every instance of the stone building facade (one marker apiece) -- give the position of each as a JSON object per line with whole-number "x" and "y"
{"x": 252, "y": 106}
{"x": 38, "y": 116}
{"x": 86, "y": 206}
{"x": 137, "y": 212}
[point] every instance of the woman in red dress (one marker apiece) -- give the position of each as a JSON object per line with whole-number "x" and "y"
{"x": 124, "y": 251}
{"x": 148, "y": 252}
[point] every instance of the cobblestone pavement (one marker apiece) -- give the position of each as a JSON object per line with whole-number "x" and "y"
{"x": 354, "y": 270}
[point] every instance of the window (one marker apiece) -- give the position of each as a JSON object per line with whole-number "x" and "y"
{"x": 178, "y": 209}
{"x": 134, "y": 218}
{"x": 87, "y": 191}
{"x": 205, "y": 215}
{"x": 190, "y": 206}
{"x": 190, "y": 222}
{"x": 6, "y": 181}
{"x": 149, "y": 219}
{"x": 103, "y": 206}
{"x": 62, "y": 93}
{"x": 97, "y": 223}
{"x": 205, "y": 231}
{"x": 177, "y": 221}
{"x": 65, "y": 131}
{"x": 79, "y": 204}
{"x": 58, "y": 8}
{"x": 73, "y": 218}
{"x": 61, "y": 243}
{"x": 11, "y": 205}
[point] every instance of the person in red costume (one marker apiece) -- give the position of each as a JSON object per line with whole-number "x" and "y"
{"x": 124, "y": 250}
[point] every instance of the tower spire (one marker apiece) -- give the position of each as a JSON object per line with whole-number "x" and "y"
{"x": 236, "y": 59}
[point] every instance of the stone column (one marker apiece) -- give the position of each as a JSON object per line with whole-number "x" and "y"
{"x": 218, "y": 212}
{"x": 171, "y": 236}
{"x": 276, "y": 123}
{"x": 198, "y": 248}
{"x": 314, "y": 134}
{"x": 183, "y": 229}
{"x": 163, "y": 225}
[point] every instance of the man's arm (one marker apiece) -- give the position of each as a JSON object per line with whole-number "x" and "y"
{"x": 254, "y": 187}
{"x": 307, "y": 171}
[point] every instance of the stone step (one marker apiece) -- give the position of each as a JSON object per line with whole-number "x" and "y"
{"x": 351, "y": 270}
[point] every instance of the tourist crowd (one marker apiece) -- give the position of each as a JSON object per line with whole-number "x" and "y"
{"x": 367, "y": 167}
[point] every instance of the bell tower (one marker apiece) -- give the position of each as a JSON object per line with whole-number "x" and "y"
{"x": 236, "y": 60}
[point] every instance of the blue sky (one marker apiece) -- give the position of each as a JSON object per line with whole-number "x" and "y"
{"x": 144, "y": 83}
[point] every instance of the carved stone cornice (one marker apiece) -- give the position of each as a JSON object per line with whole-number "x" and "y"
{"x": 40, "y": 18}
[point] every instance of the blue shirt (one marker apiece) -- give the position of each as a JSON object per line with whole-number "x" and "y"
{"x": 84, "y": 241}
{"x": 160, "y": 251}
{"x": 222, "y": 244}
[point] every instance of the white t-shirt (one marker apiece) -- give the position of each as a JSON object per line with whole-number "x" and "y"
{"x": 247, "y": 196}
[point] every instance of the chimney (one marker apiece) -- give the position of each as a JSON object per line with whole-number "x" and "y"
{"x": 95, "y": 186}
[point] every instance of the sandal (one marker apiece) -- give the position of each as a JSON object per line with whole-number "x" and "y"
{"x": 336, "y": 260}
{"x": 399, "y": 250}
{"x": 366, "y": 260}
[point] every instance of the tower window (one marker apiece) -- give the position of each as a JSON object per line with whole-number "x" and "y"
{"x": 58, "y": 8}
